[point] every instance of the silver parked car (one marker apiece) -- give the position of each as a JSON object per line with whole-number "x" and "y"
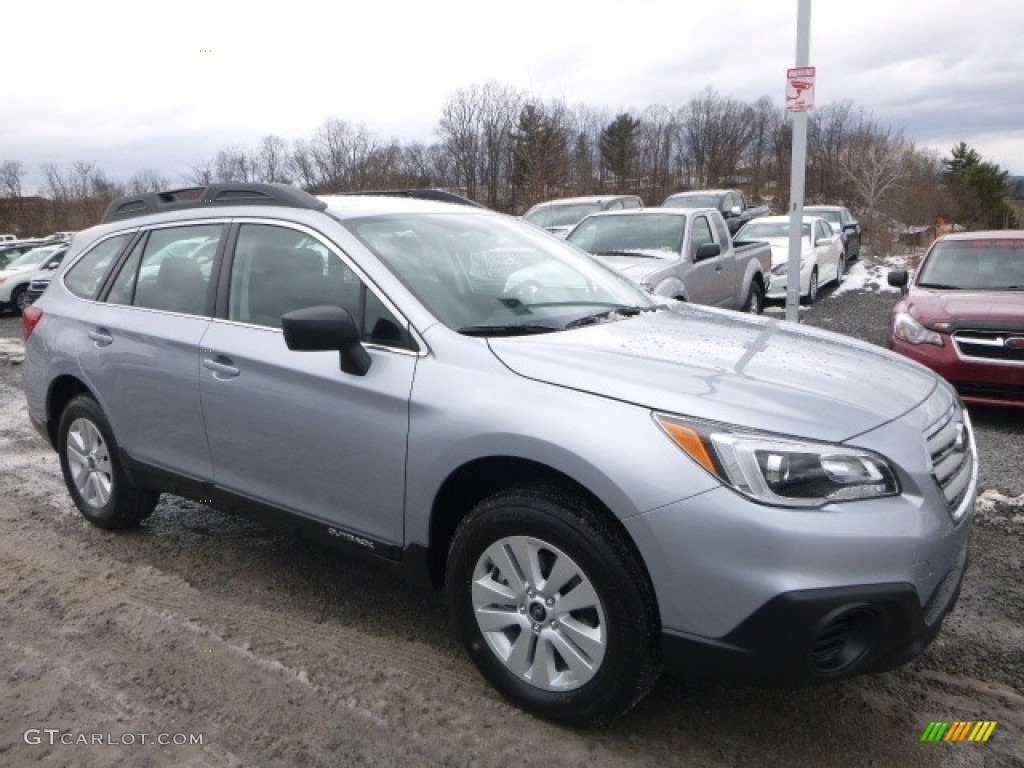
{"x": 603, "y": 483}
{"x": 559, "y": 216}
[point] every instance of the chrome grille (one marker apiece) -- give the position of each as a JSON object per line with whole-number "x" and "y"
{"x": 951, "y": 447}
{"x": 1006, "y": 346}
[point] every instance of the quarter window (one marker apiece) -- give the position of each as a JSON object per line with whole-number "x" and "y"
{"x": 84, "y": 278}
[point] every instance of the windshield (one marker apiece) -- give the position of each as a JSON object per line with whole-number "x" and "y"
{"x": 660, "y": 233}
{"x": 766, "y": 230}
{"x": 560, "y": 215}
{"x": 692, "y": 201}
{"x": 492, "y": 272}
{"x": 832, "y": 217}
{"x": 987, "y": 265}
{"x": 32, "y": 258}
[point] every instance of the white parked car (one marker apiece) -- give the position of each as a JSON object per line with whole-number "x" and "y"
{"x": 821, "y": 260}
{"x": 15, "y": 278}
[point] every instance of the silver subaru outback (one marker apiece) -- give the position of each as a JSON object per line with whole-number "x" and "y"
{"x": 604, "y": 484}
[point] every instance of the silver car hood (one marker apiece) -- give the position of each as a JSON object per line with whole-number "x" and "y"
{"x": 638, "y": 267}
{"x": 729, "y": 367}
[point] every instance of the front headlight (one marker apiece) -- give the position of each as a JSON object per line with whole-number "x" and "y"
{"x": 905, "y": 327}
{"x": 783, "y": 268}
{"x": 779, "y": 470}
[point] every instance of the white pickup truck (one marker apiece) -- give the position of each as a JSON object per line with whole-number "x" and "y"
{"x": 680, "y": 253}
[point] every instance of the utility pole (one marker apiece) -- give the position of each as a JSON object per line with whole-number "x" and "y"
{"x": 798, "y": 106}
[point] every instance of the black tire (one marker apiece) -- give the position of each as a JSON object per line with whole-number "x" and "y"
{"x": 596, "y": 625}
{"x": 841, "y": 269}
{"x": 92, "y": 469}
{"x": 19, "y": 299}
{"x": 755, "y": 299}
{"x": 812, "y": 288}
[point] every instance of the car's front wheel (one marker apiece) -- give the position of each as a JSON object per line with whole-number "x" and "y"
{"x": 553, "y": 605}
{"x": 20, "y": 299}
{"x": 92, "y": 469}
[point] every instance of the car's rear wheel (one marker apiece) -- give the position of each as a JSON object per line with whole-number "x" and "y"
{"x": 553, "y": 606}
{"x": 92, "y": 469}
{"x": 812, "y": 288}
{"x": 755, "y": 299}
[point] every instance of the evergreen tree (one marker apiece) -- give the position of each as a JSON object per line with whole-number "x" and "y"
{"x": 979, "y": 190}
{"x": 619, "y": 146}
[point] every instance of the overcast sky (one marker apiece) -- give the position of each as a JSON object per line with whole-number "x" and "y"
{"x": 162, "y": 86}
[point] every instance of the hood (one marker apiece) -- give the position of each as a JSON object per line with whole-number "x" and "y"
{"x": 19, "y": 270}
{"x": 968, "y": 309}
{"x": 780, "y": 249}
{"x": 729, "y": 367}
{"x": 638, "y": 267}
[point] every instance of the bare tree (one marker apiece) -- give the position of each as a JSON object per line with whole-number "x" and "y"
{"x": 301, "y": 165}
{"x": 201, "y": 174}
{"x": 766, "y": 125}
{"x": 271, "y": 160}
{"x": 11, "y": 173}
{"x": 147, "y": 180}
{"x": 235, "y": 164}
{"x": 460, "y": 135}
{"x": 656, "y": 143}
{"x": 716, "y": 132}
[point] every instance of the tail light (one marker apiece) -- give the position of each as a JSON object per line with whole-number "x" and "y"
{"x": 30, "y": 318}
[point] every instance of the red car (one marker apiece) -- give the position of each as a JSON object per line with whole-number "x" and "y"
{"x": 963, "y": 315}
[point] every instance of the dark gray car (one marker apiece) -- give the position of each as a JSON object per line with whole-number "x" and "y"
{"x": 602, "y": 482}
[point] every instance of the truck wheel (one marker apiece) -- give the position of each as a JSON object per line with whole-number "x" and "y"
{"x": 755, "y": 299}
{"x": 552, "y": 605}
{"x": 92, "y": 469}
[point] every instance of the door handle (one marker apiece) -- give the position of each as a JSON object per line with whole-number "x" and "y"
{"x": 221, "y": 367}
{"x": 101, "y": 336}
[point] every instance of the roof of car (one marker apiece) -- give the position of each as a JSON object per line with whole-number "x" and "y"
{"x": 986, "y": 234}
{"x": 653, "y": 210}
{"x": 696, "y": 192}
{"x": 218, "y": 197}
{"x": 583, "y": 199}
{"x": 365, "y": 205}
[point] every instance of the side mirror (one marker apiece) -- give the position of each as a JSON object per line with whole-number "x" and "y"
{"x": 707, "y": 251}
{"x": 327, "y": 328}
{"x": 824, "y": 241}
{"x": 899, "y": 278}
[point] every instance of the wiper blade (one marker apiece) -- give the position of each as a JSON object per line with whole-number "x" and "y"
{"x": 635, "y": 254}
{"x": 597, "y": 317}
{"x": 506, "y": 330}
{"x": 941, "y": 287}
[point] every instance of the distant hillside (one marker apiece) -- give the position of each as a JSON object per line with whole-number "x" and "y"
{"x": 1016, "y": 185}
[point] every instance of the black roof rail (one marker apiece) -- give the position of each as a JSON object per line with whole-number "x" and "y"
{"x": 214, "y": 194}
{"x": 421, "y": 193}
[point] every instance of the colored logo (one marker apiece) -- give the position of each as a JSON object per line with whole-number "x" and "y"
{"x": 959, "y": 730}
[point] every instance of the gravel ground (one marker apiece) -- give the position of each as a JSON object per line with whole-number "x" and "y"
{"x": 276, "y": 652}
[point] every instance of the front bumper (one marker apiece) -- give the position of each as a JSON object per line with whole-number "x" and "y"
{"x": 817, "y": 635}
{"x": 978, "y": 381}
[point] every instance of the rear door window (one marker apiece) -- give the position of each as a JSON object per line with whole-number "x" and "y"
{"x": 170, "y": 270}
